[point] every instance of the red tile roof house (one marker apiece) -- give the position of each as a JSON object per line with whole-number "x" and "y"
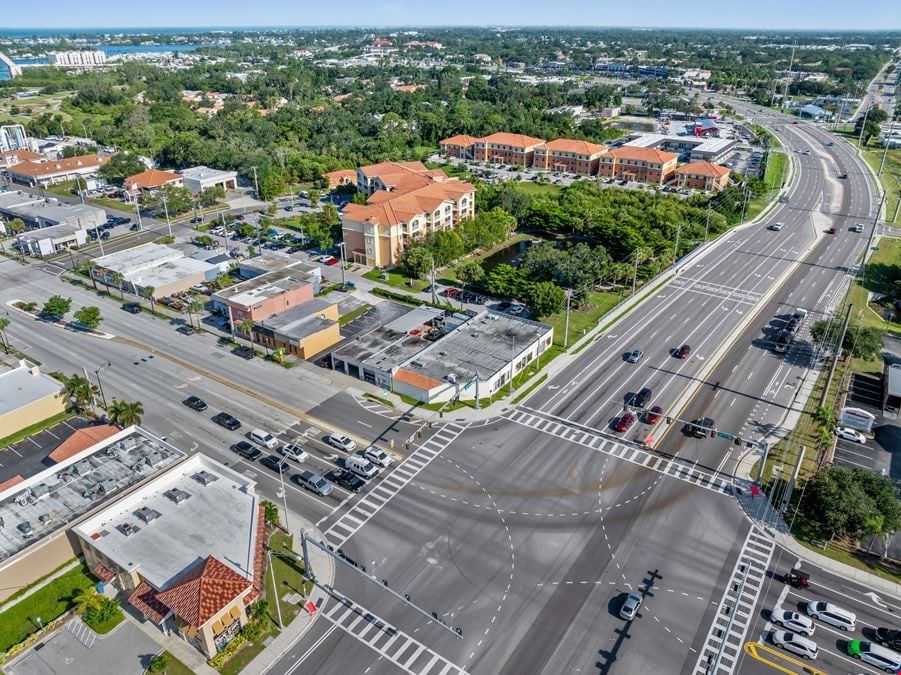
{"x": 568, "y": 155}
{"x": 150, "y": 180}
{"x": 185, "y": 549}
{"x": 703, "y": 176}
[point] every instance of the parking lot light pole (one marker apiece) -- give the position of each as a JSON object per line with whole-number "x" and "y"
{"x": 343, "y": 265}
{"x": 278, "y": 605}
{"x": 166, "y": 211}
{"x": 284, "y": 496}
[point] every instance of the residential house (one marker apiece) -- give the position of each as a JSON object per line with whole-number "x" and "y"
{"x": 702, "y": 176}
{"x": 150, "y": 180}
{"x": 568, "y": 155}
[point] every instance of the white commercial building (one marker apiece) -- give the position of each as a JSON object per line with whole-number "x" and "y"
{"x": 156, "y": 266}
{"x": 49, "y": 240}
{"x": 80, "y": 58}
{"x": 199, "y": 178}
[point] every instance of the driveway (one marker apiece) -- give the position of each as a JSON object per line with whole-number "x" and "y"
{"x": 75, "y": 650}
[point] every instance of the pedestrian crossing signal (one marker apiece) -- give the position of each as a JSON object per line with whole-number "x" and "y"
{"x": 713, "y": 433}
{"x": 737, "y": 441}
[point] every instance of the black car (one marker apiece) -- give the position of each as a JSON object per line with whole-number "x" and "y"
{"x": 135, "y": 227}
{"x": 105, "y": 235}
{"x": 700, "y": 428}
{"x": 275, "y": 463}
{"x": 346, "y": 479}
{"x": 230, "y": 422}
{"x": 889, "y": 638}
{"x": 195, "y": 403}
{"x": 244, "y": 352}
{"x": 132, "y": 307}
{"x": 246, "y": 450}
{"x": 640, "y": 400}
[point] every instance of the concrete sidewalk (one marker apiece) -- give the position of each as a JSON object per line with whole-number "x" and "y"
{"x": 324, "y": 568}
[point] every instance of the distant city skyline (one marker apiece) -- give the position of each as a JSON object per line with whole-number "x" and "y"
{"x": 761, "y": 15}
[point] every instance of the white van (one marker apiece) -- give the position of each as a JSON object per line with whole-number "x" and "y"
{"x": 361, "y": 466}
{"x": 264, "y": 438}
{"x": 832, "y": 614}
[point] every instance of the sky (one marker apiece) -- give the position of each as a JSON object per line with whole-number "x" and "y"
{"x": 768, "y": 14}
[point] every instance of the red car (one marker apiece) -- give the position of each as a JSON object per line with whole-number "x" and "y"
{"x": 624, "y": 422}
{"x": 652, "y": 416}
{"x": 239, "y": 217}
{"x": 452, "y": 292}
{"x": 683, "y": 352}
{"x": 333, "y": 261}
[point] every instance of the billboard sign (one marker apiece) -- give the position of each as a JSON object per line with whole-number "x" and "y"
{"x": 856, "y": 419}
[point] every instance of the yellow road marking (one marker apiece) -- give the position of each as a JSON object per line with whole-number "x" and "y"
{"x": 754, "y": 649}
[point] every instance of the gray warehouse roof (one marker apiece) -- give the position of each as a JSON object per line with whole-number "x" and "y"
{"x": 24, "y": 385}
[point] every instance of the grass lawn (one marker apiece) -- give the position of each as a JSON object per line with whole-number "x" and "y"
{"x": 35, "y": 428}
{"x": 891, "y": 175}
{"x": 105, "y": 627}
{"x": 888, "y": 255}
{"x": 537, "y": 189}
{"x": 776, "y": 169}
{"x": 104, "y": 202}
{"x": 288, "y": 578}
{"x": 396, "y": 280}
{"x": 49, "y": 602}
{"x": 584, "y": 319}
{"x": 176, "y": 667}
{"x": 247, "y": 653}
{"x": 350, "y": 316}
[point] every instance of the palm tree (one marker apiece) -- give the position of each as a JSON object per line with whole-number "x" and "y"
{"x": 125, "y": 414}
{"x": 4, "y": 324}
{"x": 85, "y": 599}
{"x": 148, "y": 291}
{"x": 117, "y": 279}
{"x": 88, "y": 267}
{"x": 195, "y": 307}
{"x": 80, "y": 392}
{"x": 247, "y": 327}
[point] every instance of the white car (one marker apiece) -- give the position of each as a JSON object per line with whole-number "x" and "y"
{"x": 851, "y": 435}
{"x": 342, "y": 442}
{"x": 793, "y": 621}
{"x": 796, "y": 644}
{"x": 325, "y": 259}
{"x": 294, "y": 451}
{"x": 776, "y": 227}
{"x": 378, "y": 457}
{"x": 857, "y": 228}
{"x": 832, "y": 614}
{"x": 630, "y": 607}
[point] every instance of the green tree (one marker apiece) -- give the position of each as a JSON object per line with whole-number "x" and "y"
{"x": 117, "y": 280}
{"x": 85, "y": 598}
{"x": 89, "y": 317}
{"x": 80, "y": 392}
{"x": 195, "y": 309}
{"x": 358, "y": 198}
{"x": 125, "y": 414}
{"x": 505, "y": 280}
{"x": 160, "y": 662}
{"x": 270, "y": 513}
{"x": 120, "y": 166}
{"x": 15, "y": 226}
{"x": 211, "y": 195}
{"x": 848, "y": 501}
{"x": 859, "y": 342}
{"x": 247, "y": 329}
{"x": 56, "y": 307}
{"x": 470, "y": 272}
{"x": 4, "y": 324}
{"x": 546, "y": 298}
{"x": 148, "y": 292}
{"x": 206, "y": 241}
{"x": 416, "y": 261}
{"x": 313, "y": 196}
{"x": 88, "y": 267}
{"x": 172, "y": 198}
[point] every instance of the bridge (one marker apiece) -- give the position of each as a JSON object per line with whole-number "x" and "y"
{"x": 14, "y": 69}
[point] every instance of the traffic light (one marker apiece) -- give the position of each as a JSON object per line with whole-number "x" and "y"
{"x": 406, "y": 445}
{"x": 419, "y": 433}
{"x": 712, "y": 433}
{"x": 737, "y": 441}
{"x": 669, "y": 420}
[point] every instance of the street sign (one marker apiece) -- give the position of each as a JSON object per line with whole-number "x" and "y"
{"x": 874, "y": 248}
{"x": 723, "y": 434}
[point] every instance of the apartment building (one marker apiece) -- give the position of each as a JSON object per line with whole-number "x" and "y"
{"x": 645, "y": 165}
{"x": 702, "y": 176}
{"x": 568, "y": 155}
{"x": 406, "y": 202}
{"x": 459, "y": 146}
{"x": 505, "y": 148}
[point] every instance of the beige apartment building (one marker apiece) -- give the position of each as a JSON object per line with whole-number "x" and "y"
{"x": 406, "y": 202}
{"x": 564, "y": 154}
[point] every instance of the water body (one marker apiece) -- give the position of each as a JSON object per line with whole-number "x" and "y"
{"x": 110, "y": 50}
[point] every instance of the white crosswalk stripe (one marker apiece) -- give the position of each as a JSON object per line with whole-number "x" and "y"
{"x": 735, "y": 613}
{"x": 673, "y": 467}
{"x": 402, "y": 650}
{"x": 360, "y": 513}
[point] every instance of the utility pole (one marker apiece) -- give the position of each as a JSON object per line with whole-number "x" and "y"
{"x": 791, "y": 63}
{"x": 891, "y": 131}
{"x": 863, "y": 126}
{"x": 707, "y": 226}
{"x": 512, "y": 360}
{"x": 569, "y": 294}
{"x": 138, "y": 211}
{"x": 744, "y": 205}
{"x": 676, "y": 247}
{"x": 256, "y": 185}
{"x": 635, "y": 271}
{"x": 432, "y": 281}
{"x": 166, "y": 211}
{"x": 343, "y": 266}
{"x": 835, "y": 358}
{"x": 278, "y": 606}
{"x": 866, "y": 253}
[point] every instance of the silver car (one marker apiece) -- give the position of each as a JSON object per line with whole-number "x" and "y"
{"x": 796, "y": 644}
{"x": 635, "y": 356}
{"x": 630, "y": 607}
{"x": 342, "y": 442}
{"x": 793, "y": 621}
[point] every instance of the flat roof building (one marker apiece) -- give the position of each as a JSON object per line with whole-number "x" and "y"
{"x": 165, "y": 269}
{"x": 49, "y": 240}
{"x": 27, "y": 397}
{"x": 304, "y": 330}
{"x": 199, "y": 178}
{"x": 264, "y": 296}
{"x": 185, "y": 547}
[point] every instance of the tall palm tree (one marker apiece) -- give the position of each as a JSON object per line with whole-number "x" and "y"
{"x": 149, "y": 291}
{"x": 80, "y": 392}
{"x": 4, "y": 324}
{"x": 117, "y": 279}
{"x": 85, "y": 599}
{"x": 195, "y": 307}
{"x": 125, "y": 414}
{"x": 88, "y": 267}
{"x": 247, "y": 327}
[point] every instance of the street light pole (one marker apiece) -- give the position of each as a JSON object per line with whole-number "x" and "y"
{"x": 343, "y": 265}
{"x": 512, "y": 362}
{"x": 281, "y": 475}
{"x": 569, "y": 294}
{"x": 891, "y": 131}
{"x": 278, "y": 606}
{"x": 256, "y": 185}
{"x": 138, "y": 211}
{"x": 99, "y": 383}
{"x": 166, "y": 211}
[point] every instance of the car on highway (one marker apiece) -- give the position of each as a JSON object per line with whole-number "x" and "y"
{"x": 105, "y": 235}
{"x": 683, "y": 352}
{"x": 700, "y": 428}
{"x": 134, "y": 227}
{"x": 294, "y": 451}
{"x": 832, "y": 614}
{"x": 245, "y": 353}
{"x": 857, "y": 228}
{"x": 132, "y": 307}
{"x": 876, "y": 655}
{"x": 640, "y": 399}
{"x": 246, "y": 450}
{"x": 625, "y": 422}
{"x": 851, "y": 435}
{"x": 313, "y": 482}
{"x": 630, "y": 607}
{"x": 793, "y": 621}
{"x": 195, "y": 403}
{"x": 275, "y": 463}
{"x": 776, "y": 227}
{"x": 830, "y": 230}
{"x": 635, "y": 356}
{"x": 346, "y": 479}
{"x": 185, "y": 329}
{"x": 888, "y": 637}
{"x": 230, "y": 422}
{"x": 843, "y": 176}
{"x": 796, "y": 644}
{"x": 341, "y": 442}
{"x": 377, "y": 456}
{"x": 264, "y": 438}
{"x": 652, "y": 416}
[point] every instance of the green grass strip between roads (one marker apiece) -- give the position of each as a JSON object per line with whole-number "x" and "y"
{"x": 36, "y": 428}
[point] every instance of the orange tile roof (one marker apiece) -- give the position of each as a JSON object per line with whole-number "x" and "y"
{"x": 703, "y": 169}
{"x": 460, "y": 139}
{"x": 22, "y": 155}
{"x": 103, "y": 572}
{"x": 204, "y": 591}
{"x": 516, "y": 140}
{"x": 145, "y": 599}
{"x": 258, "y": 558}
{"x": 82, "y": 440}
{"x": 643, "y": 154}
{"x": 15, "y": 480}
{"x": 341, "y": 173}
{"x": 390, "y": 208}
{"x": 36, "y": 169}
{"x": 415, "y": 379}
{"x": 150, "y": 179}
{"x": 568, "y": 145}
{"x": 373, "y": 170}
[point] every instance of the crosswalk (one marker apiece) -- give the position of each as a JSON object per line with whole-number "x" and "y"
{"x": 384, "y": 490}
{"x": 735, "y": 613}
{"x": 402, "y": 650}
{"x": 683, "y": 470}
